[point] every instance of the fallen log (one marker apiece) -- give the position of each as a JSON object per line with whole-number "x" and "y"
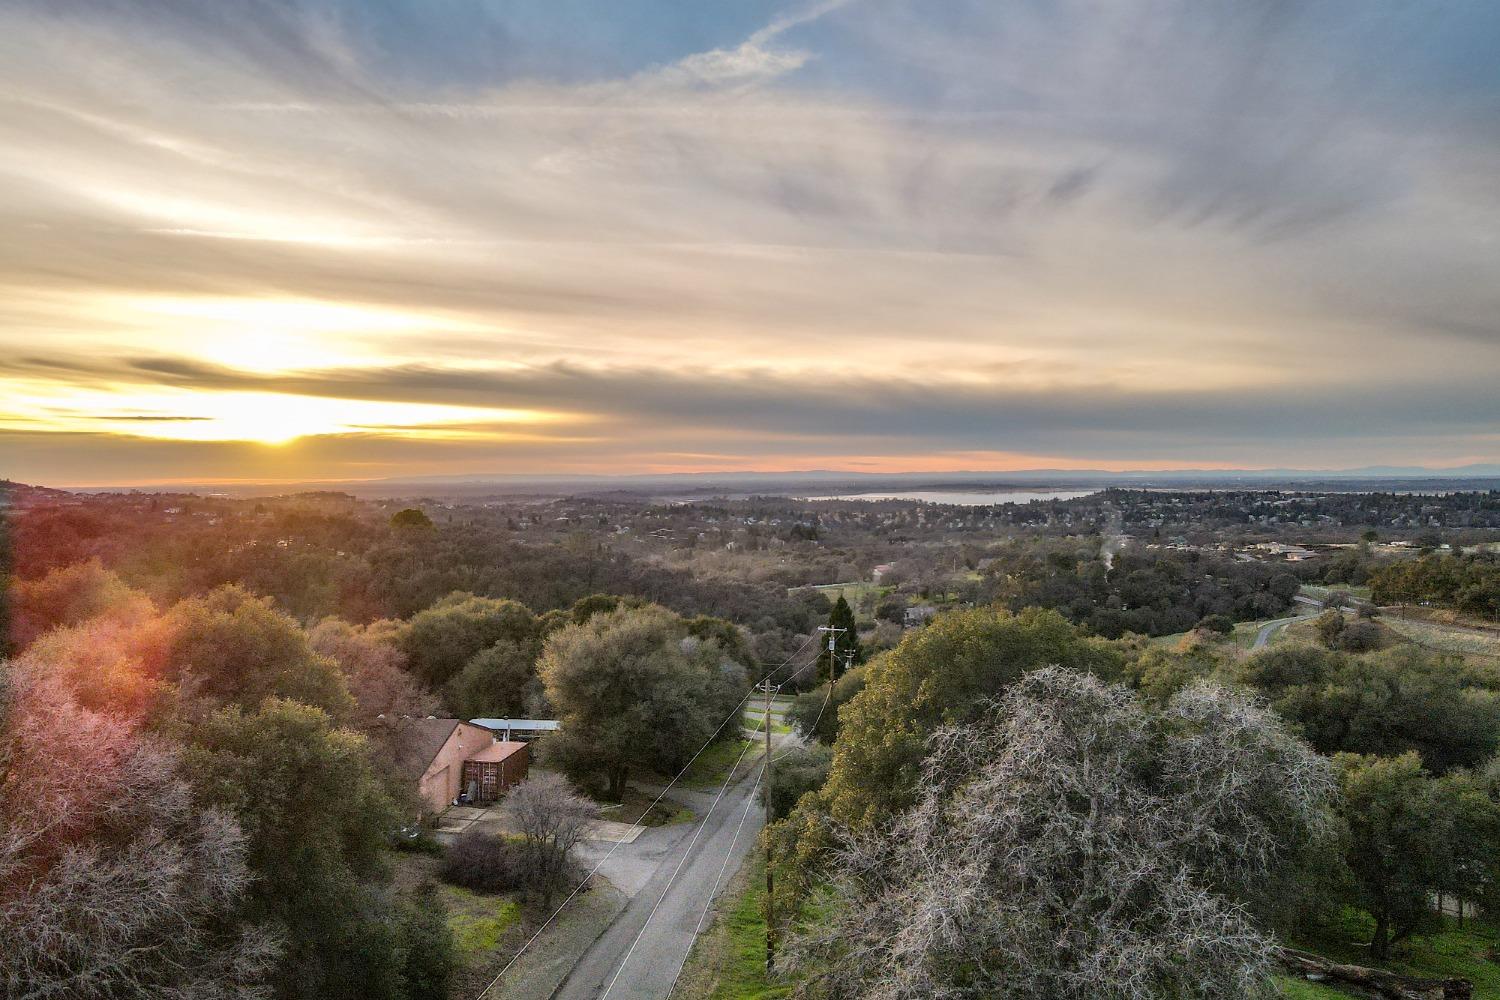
{"x": 1377, "y": 982}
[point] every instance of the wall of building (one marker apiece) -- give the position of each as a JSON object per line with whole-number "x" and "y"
{"x": 440, "y": 784}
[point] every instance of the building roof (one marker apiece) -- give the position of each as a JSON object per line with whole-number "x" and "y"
{"x": 416, "y": 742}
{"x": 498, "y": 751}
{"x": 539, "y": 725}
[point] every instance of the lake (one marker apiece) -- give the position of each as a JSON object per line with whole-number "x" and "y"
{"x": 965, "y": 499}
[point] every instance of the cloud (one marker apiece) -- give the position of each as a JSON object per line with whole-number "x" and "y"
{"x": 1065, "y": 227}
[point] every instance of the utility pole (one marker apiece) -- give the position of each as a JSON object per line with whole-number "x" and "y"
{"x": 770, "y": 877}
{"x": 833, "y": 635}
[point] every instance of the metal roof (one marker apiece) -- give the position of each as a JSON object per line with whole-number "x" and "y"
{"x": 539, "y": 725}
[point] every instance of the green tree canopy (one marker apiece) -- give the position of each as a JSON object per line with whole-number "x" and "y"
{"x": 634, "y": 689}
{"x": 499, "y": 682}
{"x": 942, "y": 674}
{"x": 233, "y": 647}
{"x": 1390, "y": 702}
{"x": 440, "y": 641}
{"x": 1399, "y": 843}
{"x": 846, "y": 648}
{"x": 315, "y": 818}
{"x": 411, "y": 518}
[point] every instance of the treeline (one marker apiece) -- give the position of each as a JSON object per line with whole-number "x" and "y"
{"x": 192, "y": 804}
{"x": 1404, "y": 514}
{"x": 1467, "y": 583}
{"x": 1146, "y": 591}
{"x": 201, "y": 798}
{"x": 999, "y": 780}
{"x": 356, "y": 565}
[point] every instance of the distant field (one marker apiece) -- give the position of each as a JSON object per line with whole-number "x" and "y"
{"x": 1322, "y": 591}
{"x": 853, "y": 593}
{"x": 1446, "y": 638}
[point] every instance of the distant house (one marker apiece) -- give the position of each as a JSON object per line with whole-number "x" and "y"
{"x": 436, "y": 756}
{"x": 921, "y": 614}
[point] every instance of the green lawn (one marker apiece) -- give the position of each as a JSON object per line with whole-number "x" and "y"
{"x": 755, "y": 723}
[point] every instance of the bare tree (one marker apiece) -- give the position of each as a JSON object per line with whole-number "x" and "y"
{"x": 552, "y": 819}
{"x": 112, "y": 885}
{"x": 1075, "y": 845}
{"x": 375, "y": 670}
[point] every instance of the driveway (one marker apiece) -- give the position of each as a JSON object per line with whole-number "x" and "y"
{"x": 1271, "y": 628}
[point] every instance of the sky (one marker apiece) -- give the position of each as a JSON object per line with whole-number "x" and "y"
{"x": 268, "y": 240}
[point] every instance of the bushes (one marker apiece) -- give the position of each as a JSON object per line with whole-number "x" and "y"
{"x": 797, "y": 772}
{"x": 484, "y": 862}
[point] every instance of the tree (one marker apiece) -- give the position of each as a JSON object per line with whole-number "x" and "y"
{"x": 1218, "y": 624}
{"x": 1399, "y": 843}
{"x": 373, "y": 668}
{"x": 112, "y": 883}
{"x": 552, "y": 819}
{"x": 846, "y": 649}
{"x": 440, "y": 641}
{"x": 1073, "y": 844}
{"x": 634, "y": 690}
{"x": 315, "y": 818}
{"x": 798, "y": 771}
{"x": 1330, "y": 627}
{"x": 945, "y": 673}
{"x": 426, "y": 945}
{"x": 1361, "y": 637}
{"x": 411, "y": 519}
{"x": 1400, "y": 699}
{"x": 815, "y": 713}
{"x": 68, "y": 596}
{"x": 232, "y": 647}
{"x": 498, "y": 683}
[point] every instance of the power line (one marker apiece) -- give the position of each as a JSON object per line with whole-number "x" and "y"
{"x": 738, "y": 712}
{"x": 675, "y": 872}
{"x": 709, "y": 902}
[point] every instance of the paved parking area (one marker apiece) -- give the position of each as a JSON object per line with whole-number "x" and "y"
{"x": 458, "y": 820}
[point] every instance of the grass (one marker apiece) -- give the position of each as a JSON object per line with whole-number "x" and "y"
{"x": 1301, "y": 989}
{"x": 712, "y": 766}
{"x": 755, "y": 723}
{"x": 478, "y": 922}
{"x": 1320, "y": 592}
{"x": 729, "y": 960}
{"x": 636, "y": 807}
{"x": 1447, "y": 640}
{"x": 1453, "y": 951}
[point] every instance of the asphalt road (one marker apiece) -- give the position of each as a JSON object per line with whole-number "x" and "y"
{"x": 627, "y": 964}
{"x": 1270, "y": 628}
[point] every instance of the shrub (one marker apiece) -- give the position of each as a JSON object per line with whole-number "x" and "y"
{"x": 1217, "y": 623}
{"x": 1360, "y": 637}
{"x": 484, "y": 862}
{"x": 1330, "y": 626}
